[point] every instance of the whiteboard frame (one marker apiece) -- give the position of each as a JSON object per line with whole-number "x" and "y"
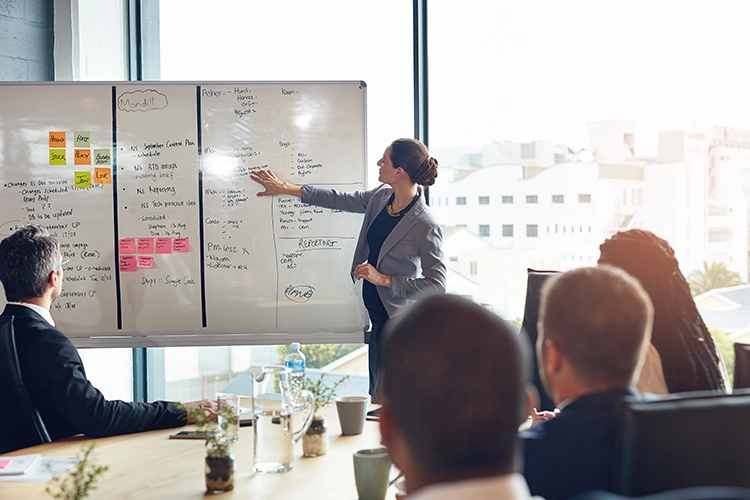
{"x": 207, "y": 336}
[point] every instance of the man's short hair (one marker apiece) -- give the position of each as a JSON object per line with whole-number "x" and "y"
{"x": 453, "y": 378}
{"x": 600, "y": 318}
{"x": 26, "y": 258}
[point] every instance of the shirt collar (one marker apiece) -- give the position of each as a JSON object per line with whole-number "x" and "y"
{"x": 507, "y": 486}
{"x": 44, "y": 313}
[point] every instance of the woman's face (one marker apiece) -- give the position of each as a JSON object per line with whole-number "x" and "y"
{"x": 387, "y": 172}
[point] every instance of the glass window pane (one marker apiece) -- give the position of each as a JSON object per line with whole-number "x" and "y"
{"x": 235, "y": 40}
{"x": 636, "y": 110}
{"x": 110, "y": 371}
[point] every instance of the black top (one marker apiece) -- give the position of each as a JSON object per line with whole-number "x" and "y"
{"x": 379, "y": 230}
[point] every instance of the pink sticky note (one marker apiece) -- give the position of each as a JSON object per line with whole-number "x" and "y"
{"x": 145, "y": 262}
{"x": 127, "y": 263}
{"x": 127, "y": 245}
{"x": 181, "y": 244}
{"x": 163, "y": 245}
{"x": 4, "y": 462}
{"x": 145, "y": 245}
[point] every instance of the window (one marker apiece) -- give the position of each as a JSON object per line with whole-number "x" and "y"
{"x": 531, "y": 198}
{"x": 507, "y": 199}
{"x": 584, "y": 198}
{"x": 557, "y": 198}
{"x": 473, "y": 268}
{"x": 508, "y": 230}
{"x": 484, "y": 200}
{"x": 484, "y": 230}
{"x": 531, "y": 230}
{"x": 461, "y": 200}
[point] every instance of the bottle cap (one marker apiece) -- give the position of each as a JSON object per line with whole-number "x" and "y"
{"x": 294, "y": 346}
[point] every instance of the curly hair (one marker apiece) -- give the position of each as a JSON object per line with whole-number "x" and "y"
{"x": 688, "y": 353}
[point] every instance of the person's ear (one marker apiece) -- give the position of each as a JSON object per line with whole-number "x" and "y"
{"x": 388, "y": 430}
{"x": 553, "y": 356}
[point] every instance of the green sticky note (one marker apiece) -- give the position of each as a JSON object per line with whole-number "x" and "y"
{"x": 57, "y": 157}
{"x": 102, "y": 157}
{"x": 82, "y": 180}
{"x": 82, "y": 139}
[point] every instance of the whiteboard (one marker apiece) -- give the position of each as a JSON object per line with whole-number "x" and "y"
{"x": 146, "y": 186}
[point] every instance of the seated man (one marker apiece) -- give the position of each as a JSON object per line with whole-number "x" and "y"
{"x": 31, "y": 270}
{"x": 594, "y": 327}
{"x": 453, "y": 394}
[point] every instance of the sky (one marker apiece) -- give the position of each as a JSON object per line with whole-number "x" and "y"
{"x": 499, "y": 70}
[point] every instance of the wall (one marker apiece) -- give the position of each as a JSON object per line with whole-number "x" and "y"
{"x": 26, "y": 40}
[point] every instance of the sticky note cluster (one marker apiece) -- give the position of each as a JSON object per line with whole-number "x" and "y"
{"x": 137, "y": 253}
{"x": 83, "y": 155}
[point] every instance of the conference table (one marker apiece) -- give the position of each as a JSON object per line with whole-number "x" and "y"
{"x": 150, "y": 465}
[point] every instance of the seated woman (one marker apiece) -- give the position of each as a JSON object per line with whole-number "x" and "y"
{"x": 683, "y": 356}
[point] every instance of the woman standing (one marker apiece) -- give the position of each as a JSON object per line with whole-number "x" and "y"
{"x": 398, "y": 253}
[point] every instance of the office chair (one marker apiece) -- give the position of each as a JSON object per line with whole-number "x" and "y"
{"x": 530, "y": 316}
{"x": 741, "y": 366}
{"x": 695, "y": 493}
{"x": 21, "y": 424}
{"x": 695, "y": 439}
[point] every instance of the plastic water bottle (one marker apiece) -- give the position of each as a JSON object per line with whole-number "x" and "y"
{"x": 295, "y": 360}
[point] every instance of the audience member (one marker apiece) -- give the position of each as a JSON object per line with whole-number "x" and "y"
{"x": 594, "y": 326}
{"x": 684, "y": 353}
{"x": 31, "y": 270}
{"x": 453, "y": 393}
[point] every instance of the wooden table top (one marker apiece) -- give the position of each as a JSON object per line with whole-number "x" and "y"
{"x": 150, "y": 465}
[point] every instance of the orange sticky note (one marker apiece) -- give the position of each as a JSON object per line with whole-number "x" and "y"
{"x": 128, "y": 263}
{"x": 145, "y": 245}
{"x": 127, "y": 245}
{"x": 181, "y": 244}
{"x": 145, "y": 262}
{"x": 102, "y": 175}
{"x": 57, "y": 139}
{"x": 82, "y": 156}
{"x": 163, "y": 245}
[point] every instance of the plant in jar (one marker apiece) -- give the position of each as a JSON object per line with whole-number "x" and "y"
{"x": 219, "y": 450}
{"x": 315, "y": 441}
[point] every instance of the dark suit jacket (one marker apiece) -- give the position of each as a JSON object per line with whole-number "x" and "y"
{"x": 54, "y": 377}
{"x": 575, "y": 451}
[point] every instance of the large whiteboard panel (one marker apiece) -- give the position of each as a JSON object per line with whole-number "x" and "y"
{"x": 150, "y": 197}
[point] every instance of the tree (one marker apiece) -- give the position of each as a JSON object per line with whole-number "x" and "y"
{"x": 714, "y": 275}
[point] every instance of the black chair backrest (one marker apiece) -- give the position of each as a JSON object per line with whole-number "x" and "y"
{"x": 19, "y": 420}
{"x": 741, "y": 366}
{"x": 530, "y": 316}
{"x": 696, "y": 439}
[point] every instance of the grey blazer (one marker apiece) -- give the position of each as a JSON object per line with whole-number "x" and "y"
{"x": 411, "y": 255}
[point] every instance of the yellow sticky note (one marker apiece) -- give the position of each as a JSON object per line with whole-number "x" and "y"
{"x": 82, "y": 156}
{"x": 57, "y": 140}
{"x": 102, "y": 175}
{"x": 57, "y": 157}
{"x": 82, "y": 180}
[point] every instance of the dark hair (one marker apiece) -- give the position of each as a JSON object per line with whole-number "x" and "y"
{"x": 688, "y": 353}
{"x": 26, "y": 258}
{"x": 413, "y": 157}
{"x": 453, "y": 377}
{"x": 600, "y": 318}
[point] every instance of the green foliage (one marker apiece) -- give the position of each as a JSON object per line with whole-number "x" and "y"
{"x": 714, "y": 275}
{"x": 324, "y": 394}
{"x": 210, "y": 427}
{"x": 726, "y": 347}
{"x": 80, "y": 480}
{"x": 517, "y": 323}
{"x": 319, "y": 355}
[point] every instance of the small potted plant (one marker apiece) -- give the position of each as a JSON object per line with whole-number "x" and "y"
{"x": 315, "y": 441}
{"x": 219, "y": 450}
{"x": 77, "y": 483}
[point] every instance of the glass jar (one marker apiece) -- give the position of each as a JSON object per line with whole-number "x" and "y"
{"x": 315, "y": 441}
{"x": 219, "y": 466}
